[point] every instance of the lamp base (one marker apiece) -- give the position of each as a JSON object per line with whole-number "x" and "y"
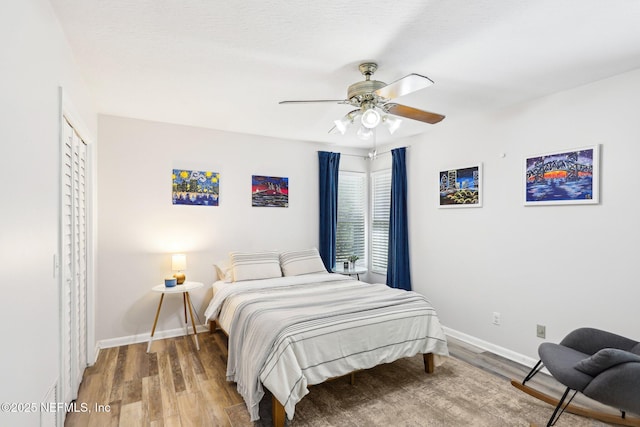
{"x": 180, "y": 278}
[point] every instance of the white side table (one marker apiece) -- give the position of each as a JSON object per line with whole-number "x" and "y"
{"x": 183, "y": 289}
{"x": 355, "y": 271}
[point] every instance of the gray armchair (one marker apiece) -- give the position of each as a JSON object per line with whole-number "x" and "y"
{"x": 603, "y": 366}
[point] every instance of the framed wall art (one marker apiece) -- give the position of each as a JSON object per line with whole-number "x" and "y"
{"x": 461, "y": 187}
{"x": 269, "y": 191}
{"x": 195, "y": 187}
{"x": 566, "y": 177}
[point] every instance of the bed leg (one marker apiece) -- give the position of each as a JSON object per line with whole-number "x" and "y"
{"x": 277, "y": 412}
{"x": 429, "y": 363}
{"x": 212, "y": 326}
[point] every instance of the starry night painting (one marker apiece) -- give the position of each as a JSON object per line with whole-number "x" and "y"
{"x": 269, "y": 191}
{"x": 460, "y": 188}
{"x": 195, "y": 187}
{"x": 568, "y": 177}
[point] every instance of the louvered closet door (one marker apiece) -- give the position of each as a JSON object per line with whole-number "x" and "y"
{"x": 74, "y": 263}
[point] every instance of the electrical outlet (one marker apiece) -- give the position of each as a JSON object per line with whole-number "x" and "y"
{"x": 541, "y": 331}
{"x": 496, "y": 318}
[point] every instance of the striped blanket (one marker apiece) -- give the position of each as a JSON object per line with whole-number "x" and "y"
{"x": 292, "y": 332}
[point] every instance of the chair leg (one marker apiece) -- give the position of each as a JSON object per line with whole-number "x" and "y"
{"x": 555, "y": 418}
{"x": 533, "y": 371}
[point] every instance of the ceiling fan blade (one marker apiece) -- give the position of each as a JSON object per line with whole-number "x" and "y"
{"x": 338, "y": 101}
{"x": 413, "y": 113}
{"x": 405, "y": 85}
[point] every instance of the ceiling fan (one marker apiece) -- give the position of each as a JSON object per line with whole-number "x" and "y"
{"x": 371, "y": 97}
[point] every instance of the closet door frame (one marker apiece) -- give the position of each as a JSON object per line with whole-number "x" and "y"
{"x": 68, "y": 114}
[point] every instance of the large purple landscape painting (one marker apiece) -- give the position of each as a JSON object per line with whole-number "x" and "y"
{"x": 567, "y": 177}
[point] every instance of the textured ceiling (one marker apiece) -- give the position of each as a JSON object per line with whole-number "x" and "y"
{"x": 226, "y": 65}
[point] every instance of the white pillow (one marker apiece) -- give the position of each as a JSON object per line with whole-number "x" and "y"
{"x": 295, "y": 263}
{"x": 223, "y": 271}
{"x": 255, "y": 265}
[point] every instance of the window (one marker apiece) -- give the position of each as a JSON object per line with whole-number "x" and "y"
{"x": 380, "y": 211}
{"x": 350, "y": 239}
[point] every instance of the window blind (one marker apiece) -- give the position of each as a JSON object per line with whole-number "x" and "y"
{"x": 350, "y": 238}
{"x": 381, "y": 207}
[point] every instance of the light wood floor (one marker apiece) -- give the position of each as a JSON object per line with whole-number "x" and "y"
{"x": 173, "y": 385}
{"x": 177, "y": 385}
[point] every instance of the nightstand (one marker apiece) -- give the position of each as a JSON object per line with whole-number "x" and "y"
{"x": 355, "y": 271}
{"x": 183, "y": 289}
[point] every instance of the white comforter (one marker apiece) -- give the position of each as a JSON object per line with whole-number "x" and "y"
{"x": 291, "y": 332}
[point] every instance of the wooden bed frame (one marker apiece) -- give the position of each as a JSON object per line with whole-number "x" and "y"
{"x": 278, "y": 412}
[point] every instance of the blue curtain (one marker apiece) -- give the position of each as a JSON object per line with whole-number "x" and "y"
{"x": 329, "y": 163}
{"x": 398, "y": 271}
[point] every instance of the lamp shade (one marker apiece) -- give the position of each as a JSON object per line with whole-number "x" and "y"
{"x": 391, "y": 123}
{"x": 178, "y": 262}
{"x": 364, "y": 133}
{"x": 370, "y": 118}
{"x": 341, "y": 125}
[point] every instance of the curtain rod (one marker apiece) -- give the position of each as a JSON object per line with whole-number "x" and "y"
{"x": 369, "y": 156}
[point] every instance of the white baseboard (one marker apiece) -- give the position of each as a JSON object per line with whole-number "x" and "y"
{"x": 487, "y": 346}
{"x": 138, "y": 338}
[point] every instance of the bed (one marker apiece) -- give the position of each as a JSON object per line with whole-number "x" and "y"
{"x": 298, "y": 325}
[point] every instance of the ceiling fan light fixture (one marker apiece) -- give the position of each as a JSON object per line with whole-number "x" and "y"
{"x": 341, "y": 125}
{"x": 392, "y": 123}
{"x": 370, "y": 118}
{"x": 364, "y": 133}
{"x": 372, "y": 100}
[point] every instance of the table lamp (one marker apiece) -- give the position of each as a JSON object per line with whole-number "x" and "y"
{"x": 179, "y": 264}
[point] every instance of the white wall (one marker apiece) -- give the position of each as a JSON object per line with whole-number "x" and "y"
{"x": 36, "y": 61}
{"x": 560, "y": 266}
{"x": 139, "y": 228}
